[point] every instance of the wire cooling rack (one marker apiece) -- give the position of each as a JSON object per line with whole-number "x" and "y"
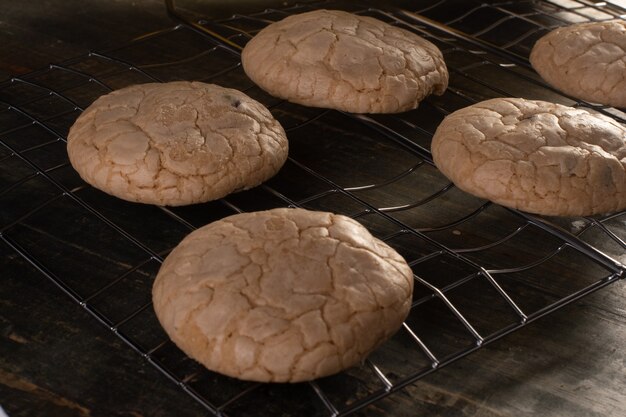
{"x": 481, "y": 270}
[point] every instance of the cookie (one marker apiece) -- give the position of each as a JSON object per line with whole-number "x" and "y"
{"x": 283, "y": 295}
{"x": 176, "y": 143}
{"x": 586, "y": 61}
{"x": 338, "y": 60}
{"x": 535, "y": 156}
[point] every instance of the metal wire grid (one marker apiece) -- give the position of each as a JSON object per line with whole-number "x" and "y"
{"x": 514, "y": 26}
{"x": 376, "y": 169}
{"x": 511, "y": 28}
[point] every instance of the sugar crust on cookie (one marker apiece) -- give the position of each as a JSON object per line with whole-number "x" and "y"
{"x": 283, "y": 295}
{"x": 334, "y": 59}
{"x": 535, "y": 156}
{"x": 586, "y": 60}
{"x": 176, "y": 143}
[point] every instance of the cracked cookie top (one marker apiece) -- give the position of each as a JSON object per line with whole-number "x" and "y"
{"x": 176, "y": 143}
{"x": 587, "y": 61}
{"x": 535, "y": 156}
{"x": 283, "y": 295}
{"x": 334, "y": 59}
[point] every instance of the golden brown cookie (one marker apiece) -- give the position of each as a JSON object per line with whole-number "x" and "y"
{"x": 335, "y": 59}
{"x": 176, "y": 143}
{"x": 587, "y": 61}
{"x": 283, "y": 295}
{"x": 535, "y": 156}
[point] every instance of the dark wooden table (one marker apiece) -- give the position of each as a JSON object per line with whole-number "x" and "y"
{"x": 56, "y": 360}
